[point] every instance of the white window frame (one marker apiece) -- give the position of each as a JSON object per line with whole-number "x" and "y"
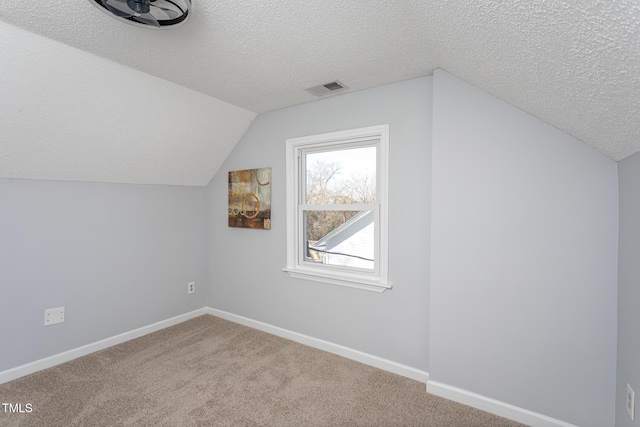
{"x": 375, "y": 280}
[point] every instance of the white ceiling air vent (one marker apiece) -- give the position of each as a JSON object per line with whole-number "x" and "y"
{"x": 326, "y": 88}
{"x": 147, "y": 13}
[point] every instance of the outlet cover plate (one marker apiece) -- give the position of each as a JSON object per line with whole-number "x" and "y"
{"x": 191, "y": 287}
{"x": 53, "y": 316}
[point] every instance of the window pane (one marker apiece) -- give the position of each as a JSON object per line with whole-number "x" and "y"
{"x": 341, "y": 176}
{"x": 340, "y": 238}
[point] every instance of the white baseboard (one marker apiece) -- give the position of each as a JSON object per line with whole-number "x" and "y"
{"x": 349, "y": 353}
{"x": 493, "y": 406}
{"x": 378, "y": 362}
{"x": 439, "y": 389}
{"x": 48, "y": 362}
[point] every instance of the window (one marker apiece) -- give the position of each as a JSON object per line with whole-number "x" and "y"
{"x": 337, "y": 216}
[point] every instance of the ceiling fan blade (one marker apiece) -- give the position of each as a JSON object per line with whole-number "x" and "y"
{"x": 118, "y": 8}
{"x": 146, "y": 18}
{"x": 172, "y": 14}
{"x": 147, "y": 13}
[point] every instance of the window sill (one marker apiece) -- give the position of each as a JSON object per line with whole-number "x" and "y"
{"x": 365, "y": 283}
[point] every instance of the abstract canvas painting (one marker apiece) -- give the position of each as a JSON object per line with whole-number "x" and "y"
{"x": 250, "y": 198}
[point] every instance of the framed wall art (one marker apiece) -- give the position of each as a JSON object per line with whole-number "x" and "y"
{"x": 250, "y": 198}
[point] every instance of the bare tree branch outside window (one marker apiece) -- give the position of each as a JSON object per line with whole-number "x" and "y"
{"x": 327, "y": 185}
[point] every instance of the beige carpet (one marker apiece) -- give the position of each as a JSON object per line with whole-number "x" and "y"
{"x": 211, "y": 372}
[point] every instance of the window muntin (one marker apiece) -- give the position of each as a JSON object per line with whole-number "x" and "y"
{"x": 337, "y": 210}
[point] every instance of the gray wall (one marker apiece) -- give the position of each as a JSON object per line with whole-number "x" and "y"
{"x": 524, "y": 253}
{"x": 117, "y": 257}
{"x": 628, "y": 289}
{"x": 522, "y": 305}
{"x": 246, "y": 265}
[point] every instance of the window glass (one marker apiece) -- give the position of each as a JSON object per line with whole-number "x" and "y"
{"x": 342, "y": 238}
{"x": 341, "y": 176}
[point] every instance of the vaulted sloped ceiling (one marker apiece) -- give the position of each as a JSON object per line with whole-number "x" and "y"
{"x": 69, "y": 115}
{"x": 97, "y": 99}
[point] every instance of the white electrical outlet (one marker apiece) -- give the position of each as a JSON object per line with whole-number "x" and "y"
{"x": 631, "y": 405}
{"x": 53, "y": 316}
{"x": 191, "y": 287}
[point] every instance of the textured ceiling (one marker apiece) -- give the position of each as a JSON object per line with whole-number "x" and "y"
{"x": 574, "y": 64}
